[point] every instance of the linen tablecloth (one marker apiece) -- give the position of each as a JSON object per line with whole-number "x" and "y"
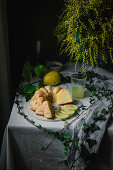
{"x": 22, "y": 142}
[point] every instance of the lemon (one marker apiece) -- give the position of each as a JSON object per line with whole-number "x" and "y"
{"x": 60, "y": 115}
{"x": 67, "y": 112}
{"x": 52, "y": 78}
{"x": 71, "y": 107}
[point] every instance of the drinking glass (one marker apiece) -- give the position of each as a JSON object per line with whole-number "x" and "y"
{"x": 78, "y": 82}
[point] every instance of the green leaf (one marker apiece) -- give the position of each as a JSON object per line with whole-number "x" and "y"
{"x": 102, "y": 117}
{"x": 29, "y": 89}
{"x": 43, "y": 148}
{"x": 84, "y": 107}
{"x": 94, "y": 127}
{"x": 109, "y": 92}
{"x": 85, "y": 128}
{"x": 60, "y": 136}
{"x": 67, "y": 137}
{"x": 98, "y": 117}
{"x": 110, "y": 109}
{"x": 37, "y": 88}
{"x": 65, "y": 152}
{"x": 91, "y": 142}
{"x": 92, "y": 100}
{"x": 27, "y": 73}
{"x": 40, "y": 70}
{"x": 75, "y": 143}
{"x": 66, "y": 148}
{"x": 28, "y": 96}
{"x": 50, "y": 131}
{"x": 104, "y": 111}
{"x": 45, "y": 130}
{"x": 95, "y": 116}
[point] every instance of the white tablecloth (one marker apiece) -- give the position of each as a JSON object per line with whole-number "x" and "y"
{"x": 22, "y": 142}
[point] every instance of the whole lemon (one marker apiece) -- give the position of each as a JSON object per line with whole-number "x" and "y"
{"x": 52, "y": 78}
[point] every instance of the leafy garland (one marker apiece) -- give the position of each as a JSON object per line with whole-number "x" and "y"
{"x": 88, "y": 129}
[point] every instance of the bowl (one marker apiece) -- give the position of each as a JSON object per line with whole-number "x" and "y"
{"x": 54, "y": 65}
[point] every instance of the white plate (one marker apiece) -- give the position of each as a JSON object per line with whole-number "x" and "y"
{"x": 32, "y": 113}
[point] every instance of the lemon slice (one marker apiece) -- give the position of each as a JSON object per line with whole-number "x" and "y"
{"x": 70, "y": 107}
{"x": 60, "y": 115}
{"x": 67, "y": 112}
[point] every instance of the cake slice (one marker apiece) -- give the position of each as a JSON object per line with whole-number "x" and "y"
{"x": 48, "y": 110}
{"x": 45, "y": 91}
{"x": 50, "y": 93}
{"x": 63, "y": 97}
{"x": 33, "y": 103}
{"x": 55, "y": 91}
{"x": 36, "y": 105}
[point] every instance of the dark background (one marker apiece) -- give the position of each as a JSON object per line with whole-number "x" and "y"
{"x": 29, "y": 21}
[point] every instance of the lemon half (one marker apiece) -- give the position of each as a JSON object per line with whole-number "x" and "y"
{"x": 61, "y": 116}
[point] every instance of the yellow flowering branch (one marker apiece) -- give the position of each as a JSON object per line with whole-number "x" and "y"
{"x": 85, "y": 31}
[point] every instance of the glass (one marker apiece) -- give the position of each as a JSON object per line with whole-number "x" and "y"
{"x": 78, "y": 82}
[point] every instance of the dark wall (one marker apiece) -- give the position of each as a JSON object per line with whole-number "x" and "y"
{"x": 29, "y": 21}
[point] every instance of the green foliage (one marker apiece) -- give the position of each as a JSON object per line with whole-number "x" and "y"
{"x": 104, "y": 111}
{"x": 94, "y": 127}
{"x": 91, "y": 142}
{"x": 110, "y": 109}
{"x": 40, "y": 70}
{"x": 92, "y": 100}
{"x": 29, "y": 89}
{"x": 84, "y": 107}
{"x": 67, "y": 138}
{"x": 75, "y": 143}
{"x": 99, "y": 117}
{"x": 27, "y": 74}
{"x": 43, "y": 148}
{"x": 66, "y": 148}
{"x": 85, "y": 128}
{"x": 26, "y": 95}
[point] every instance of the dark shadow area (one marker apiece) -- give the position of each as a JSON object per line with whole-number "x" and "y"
{"x": 104, "y": 152}
{"x": 29, "y": 21}
{"x": 16, "y": 154}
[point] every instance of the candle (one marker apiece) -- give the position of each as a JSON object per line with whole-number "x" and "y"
{"x": 38, "y": 47}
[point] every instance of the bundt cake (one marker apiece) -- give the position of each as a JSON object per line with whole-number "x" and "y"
{"x": 42, "y": 100}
